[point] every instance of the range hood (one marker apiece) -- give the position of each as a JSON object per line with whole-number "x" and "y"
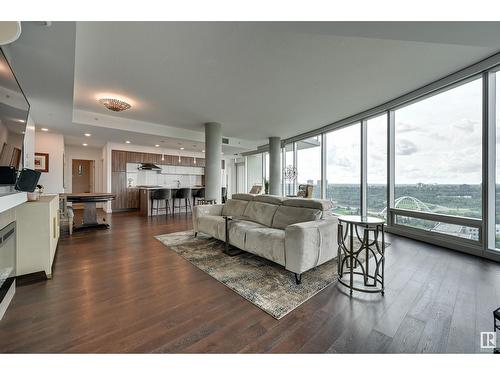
{"x": 149, "y": 167}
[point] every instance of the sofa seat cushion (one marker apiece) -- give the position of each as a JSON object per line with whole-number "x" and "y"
{"x": 268, "y": 243}
{"x": 238, "y": 230}
{"x": 213, "y": 226}
{"x": 234, "y": 207}
{"x": 287, "y": 215}
{"x": 260, "y": 212}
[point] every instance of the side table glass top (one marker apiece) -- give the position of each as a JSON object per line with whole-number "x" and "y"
{"x": 358, "y": 219}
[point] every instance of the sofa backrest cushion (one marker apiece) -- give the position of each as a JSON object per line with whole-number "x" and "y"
{"x": 320, "y": 204}
{"x": 243, "y": 196}
{"x": 272, "y": 199}
{"x": 287, "y": 215}
{"x": 234, "y": 207}
{"x": 260, "y": 212}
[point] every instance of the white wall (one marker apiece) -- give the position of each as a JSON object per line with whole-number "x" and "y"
{"x": 72, "y": 152}
{"x": 53, "y": 144}
{"x": 29, "y": 144}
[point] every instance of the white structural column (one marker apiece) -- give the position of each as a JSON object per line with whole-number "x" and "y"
{"x": 213, "y": 151}
{"x": 275, "y": 166}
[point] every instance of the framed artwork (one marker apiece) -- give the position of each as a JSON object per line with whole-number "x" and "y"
{"x": 41, "y": 162}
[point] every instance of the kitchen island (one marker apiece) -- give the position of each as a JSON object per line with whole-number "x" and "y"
{"x": 145, "y": 198}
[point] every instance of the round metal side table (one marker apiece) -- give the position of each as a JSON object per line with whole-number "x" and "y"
{"x": 360, "y": 257}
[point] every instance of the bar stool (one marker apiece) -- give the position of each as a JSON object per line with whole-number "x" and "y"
{"x": 158, "y": 196}
{"x": 193, "y": 195}
{"x": 184, "y": 193}
{"x": 200, "y": 194}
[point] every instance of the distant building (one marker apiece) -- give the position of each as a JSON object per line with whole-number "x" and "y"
{"x": 457, "y": 230}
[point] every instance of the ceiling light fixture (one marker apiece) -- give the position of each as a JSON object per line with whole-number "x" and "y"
{"x": 157, "y": 145}
{"x": 44, "y": 129}
{"x": 127, "y": 141}
{"x": 115, "y": 105}
{"x": 84, "y": 144}
{"x": 182, "y": 148}
{"x": 202, "y": 150}
{"x": 88, "y": 134}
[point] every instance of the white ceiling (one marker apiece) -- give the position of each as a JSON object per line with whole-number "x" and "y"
{"x": 257, "y": 79}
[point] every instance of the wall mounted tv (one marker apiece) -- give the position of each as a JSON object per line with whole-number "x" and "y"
{"x": 14, "y": 110}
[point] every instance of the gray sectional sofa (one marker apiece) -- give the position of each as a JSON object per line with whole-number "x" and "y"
{"x": 296, "y": 233}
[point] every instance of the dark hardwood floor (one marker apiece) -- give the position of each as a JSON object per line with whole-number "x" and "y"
{"x": 120, "y": 290}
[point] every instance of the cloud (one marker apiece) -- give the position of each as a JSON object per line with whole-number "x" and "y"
{"x": 404, "y": 127}
{"x": 405, "y": 147}
{"x": 465, "y": 125}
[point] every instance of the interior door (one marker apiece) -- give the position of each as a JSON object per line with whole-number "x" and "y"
{"x": 82, "y": 176}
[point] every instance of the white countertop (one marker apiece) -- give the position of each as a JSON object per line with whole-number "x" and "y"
{"x": 10, "y": 200}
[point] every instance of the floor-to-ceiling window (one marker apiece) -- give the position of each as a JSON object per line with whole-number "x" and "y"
{"x": 376, "y": 175}
{"x": 343, "y": 169}
{"x": 438, "y": 157}
{"x": 289, "y": 165}
{"x": 254, "y": 171}
{"x": 309, "y": 164}
{"x": 266, "y": 172}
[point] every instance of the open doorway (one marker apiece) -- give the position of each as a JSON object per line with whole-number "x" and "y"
{"x": 82, "y": 180}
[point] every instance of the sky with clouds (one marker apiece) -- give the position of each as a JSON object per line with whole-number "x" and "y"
{"x": 438, "y": 140}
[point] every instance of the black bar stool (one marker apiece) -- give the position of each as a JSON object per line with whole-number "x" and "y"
{"x": 158, "y": 196}
{"x": 183, "y": 193}
{"x": 200, "y": 194}
{"x": 193, "y": 195}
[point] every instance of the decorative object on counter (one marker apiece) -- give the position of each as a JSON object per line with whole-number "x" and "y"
{"x": 34, "y": 196}
{"x": 290, "y": 175}
{"x": 266, "y": 186}
{"x": 354, "y": 252}
{"x": 41, "y": 162}
{"x": 115, "y": 105}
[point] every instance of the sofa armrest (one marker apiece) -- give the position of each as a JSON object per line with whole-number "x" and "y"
{"x": 205, "y": 210}
{"x": 310, "y": 244}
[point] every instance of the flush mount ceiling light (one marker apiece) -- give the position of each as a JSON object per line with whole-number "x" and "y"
{"x": 88, "y": 134}
{"x": 115, "y": 105}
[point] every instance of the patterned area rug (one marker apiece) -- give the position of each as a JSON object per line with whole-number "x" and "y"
{"x": 266, "y": 284}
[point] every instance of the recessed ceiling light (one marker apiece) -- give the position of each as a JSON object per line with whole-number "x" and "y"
{"x": 88, "y": 134}
{"x": 44, "y": 129}
{"x": 127, "y": 141}
{"x": 202, "y": 150}
{"x": 84, "y": 144}
{"x": 21, "y": 121}
{"x": 157, "y": 145}
{"x": 182, "y": 148}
